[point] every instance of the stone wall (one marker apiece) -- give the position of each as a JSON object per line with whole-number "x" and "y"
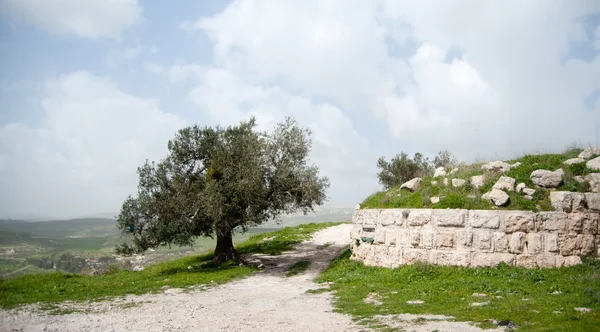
{"x": 392, "y": 237}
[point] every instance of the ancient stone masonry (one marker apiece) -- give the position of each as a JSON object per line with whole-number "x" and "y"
{"x": 393, "y": 237}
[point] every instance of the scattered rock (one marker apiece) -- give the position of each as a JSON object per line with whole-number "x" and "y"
{"x": 579, "y": 178}
{"x": 458, "y": 183}
{"x": 496, "y": 196}
{"x": 453, "y": 171}
{"x": 505, "y": 183}
{"x": 260, "y": 266}
{"x": 589, "y": 152}
{"x": 557, "y": 312}
{"x": 479, "y": 295}
{"x": 520, "y": 187}
{"x": 496, "y": 167}
{"x": 445, "y": 181}
{"x": 547, "y": 179}
{"x": 412, "y": 185}
{"x": 415, "y": 302}
{"x": 556, "y": 292}
{"x": 515, "y": 165}
{"x": 440, "y": 171}
{"x": 373, "y": 298}
{"x": 138, "y": 268}
{"x": 583, "y": 310}
{"x": 471, "y": 196}
{"x": 165, "y": 287}
{"x": 525, "y": 299}
{"x": 479, "y": 304}
{"x": 528, "y": 191}
{"x": 477, "y": 181}
{"x": 529, "y": 197}
{"x": 435, "y": 200}
{"x": 574, "y": 161}
{"x": 434, "y": 183}
{"x": 594, "y": 180}
{"x": 190, "y": 268}
{"x": 593, "y": 164}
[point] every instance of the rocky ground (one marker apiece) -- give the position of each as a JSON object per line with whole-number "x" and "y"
{"x": 267, "y": 301}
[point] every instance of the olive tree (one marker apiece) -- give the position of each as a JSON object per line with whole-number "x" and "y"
{"x": 216, "y": 180}
{"x": 401, "y": 169}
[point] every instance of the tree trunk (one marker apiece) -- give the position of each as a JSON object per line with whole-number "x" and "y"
{"x": 225, "y": 250}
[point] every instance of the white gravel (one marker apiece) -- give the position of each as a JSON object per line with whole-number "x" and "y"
{"x": 266, "y": 301}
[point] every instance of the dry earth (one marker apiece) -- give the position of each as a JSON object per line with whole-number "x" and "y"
{"x": 266, "y": 301}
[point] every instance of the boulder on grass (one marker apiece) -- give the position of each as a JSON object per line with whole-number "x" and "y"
{"x": 477, "y": 181}
{"x": 496, "y": 167}
{"x": 505, "y": 183}
{"x": 412, "y": 185}
{"x": 547, "y": 179}
{"x": 496, "y": 196}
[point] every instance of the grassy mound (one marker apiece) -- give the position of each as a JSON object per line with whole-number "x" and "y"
{"x": 195, "y": 270}
{"x": 468, "y": 197}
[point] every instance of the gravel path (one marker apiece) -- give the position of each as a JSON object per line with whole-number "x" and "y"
{"x": 266, "y": 301}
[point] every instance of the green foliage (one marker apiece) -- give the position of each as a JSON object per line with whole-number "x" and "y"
{"x": 401, "y": 169}
{"x": 444, "y": 159}
{"x": 297, "y": 268}
{"x": 217, "y": 179}
{"x": 553, "y": 293}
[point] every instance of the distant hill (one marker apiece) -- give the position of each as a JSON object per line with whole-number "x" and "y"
{"x": 63, "y": 228}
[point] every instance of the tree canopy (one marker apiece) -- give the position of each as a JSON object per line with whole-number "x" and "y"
{"x": 215, "y": 180}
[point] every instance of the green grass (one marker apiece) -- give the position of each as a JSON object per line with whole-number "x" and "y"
{"x": 448, "y": 291}
{"x": 51, "y": 288}
{"x": 458, "y": 198}
{"x": 297, "y": 268}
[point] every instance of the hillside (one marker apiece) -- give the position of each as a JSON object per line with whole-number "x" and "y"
{"x": 475, "y": 186}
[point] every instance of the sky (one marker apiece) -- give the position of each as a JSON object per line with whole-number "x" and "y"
{"x": 91, "y": 89}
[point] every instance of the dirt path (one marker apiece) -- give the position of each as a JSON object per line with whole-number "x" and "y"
{"x": 266, "y": 301}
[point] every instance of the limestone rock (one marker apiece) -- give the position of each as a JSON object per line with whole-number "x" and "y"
{"x": 589, "y": 152}
{"x": 496, "y": 196}
{"x": 593, "y": 164}
{"x": 445, "y": 181}
{"x": 138, "y": 268}
{"x": 594, "y": 180}
{"x": 435, "y": 200}
{"x": 496, "y": 167}
{"x": 505, "y": 183}
{"x": 579, "y": 178}
{"x": 453, "y": 171}
{"x": 477, "y": 181}
{"x": 515, "y": 165}
{"x": 458, "y": 182}
{"x": 593, "y": 201}
{"x": 574, "y": 161}
{"x": 412, "y": 185}
{"x": 440, "y": 171}
{"x": 529, "y": 197}
{"x": 547, "y": 179}
{"x": 528, "y": 191}
{"x": 566, "y": 201}
{"x": 520, "y": 187}
{"x": 434, "y": 183}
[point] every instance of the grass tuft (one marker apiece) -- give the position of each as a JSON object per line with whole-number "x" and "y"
{"x": 298, "y": 268}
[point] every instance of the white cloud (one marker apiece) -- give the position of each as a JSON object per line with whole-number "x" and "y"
{"x": 83, "y": 158}
{"x": 154, "y": 68}
{"x": 88, "y": 19}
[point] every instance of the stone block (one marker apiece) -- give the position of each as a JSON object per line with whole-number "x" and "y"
{"x": 484, "y": 241}
{"x": 418, "y": 217}
{"x": 363, "y": 251}
{"x": 517, "y": 243}
{"x": 572, "y": 260}
{"x": 389, "y": 217}
{"x": 593, "y": 201}
{"x": 579, "y": 202}
{"x": 534, "y": 243}
{"x": 518, "y": 221}
{"x": 427, "y": 239}
{"x": 390, "y": 236}
{"x": 561, "y": 200}
{"x": 569, "y": 245}
{"x": 527, "y": 261}
{"x": 402, "y": 238}
{"x": 590, "y": 224}
{"x": 484, "y": 219}
{"x": 546, "y": 260}
{"x": 411, "y": 256}
{"x": 355, "y": 232}
{"x": 454, "y": 258}
{"x": 552, "y": 243}
{"x": 415, "y": 239}
{"x": 500, "y": 242}
{"x": 553, "y": 221}
{"x": 588, "y": 243}
{"x": 560, "y": 261}
{"x": 379, "y": 235}
{"x": 450, "y": 217}
{"x": 465, "y": 238}
{"x": 489, "y": 259}
{"x": 444, "y": 240}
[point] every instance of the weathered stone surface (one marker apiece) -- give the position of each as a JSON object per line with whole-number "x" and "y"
{"x": 390, "y": 236}
{"x": 485, "y": 241}
{"x": 588, "y": 244}
{"x": 379, "y": 235}
{"x": 593, "y": 201}
{"x": 518, "y": 221}
{"x": 535, "y": 244}
{"x": 465, "y": 238}
{"x": 500, "y": 242}
{"x": 440, "y": 171}
{"x": 435, "y": 200}
{"x": 496, "y": 196}
{"x": 528, "y": 191}
{"x": 415, "y": 239}
{"x": 453, "y": 171}
{"x": 450, "y": 217}
{"x": 427, "y": 239}
{"x": 594, "y": 180}
{"x": 589, "y": 152}
{"x": 457, "y": 183}
{"x": 565, "y": 201}
{"x": 356, "y": 230}
{"x": 570, "y": 245}
{"x": 552, "y": 243}
{"x": 574, "y": 161}
{"x": 496, "y": 167}
{"x": 572, "y": 260}
{"x": 579, "y": 178}
{"x": 520, "y": 187}
{"x": 593, "y": 164}
{"x": 547, "y": 260}
{"x": 445, "y": 181}
{"x": 411, "y": 256}
{"x": 517, "y": 243}
{"x": 528, "y": 261}
{"x": 485, "y": 259}
{"x": 455, "y": 258}
{"x": 477, "y": 181}
{"x": 547, "y": 179}
{"x": 515, "y": 165}
{"x": 412, "y": 185}
{"x": 444, "y": 240}
{"x": 553, "y": 221}
{"x": 484, "y": 219}
{"x": 586, "y": 223}
{"x": 419, "y": 217}
{"x": 505, "y": 183}
{"x": 559, "y": 261}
